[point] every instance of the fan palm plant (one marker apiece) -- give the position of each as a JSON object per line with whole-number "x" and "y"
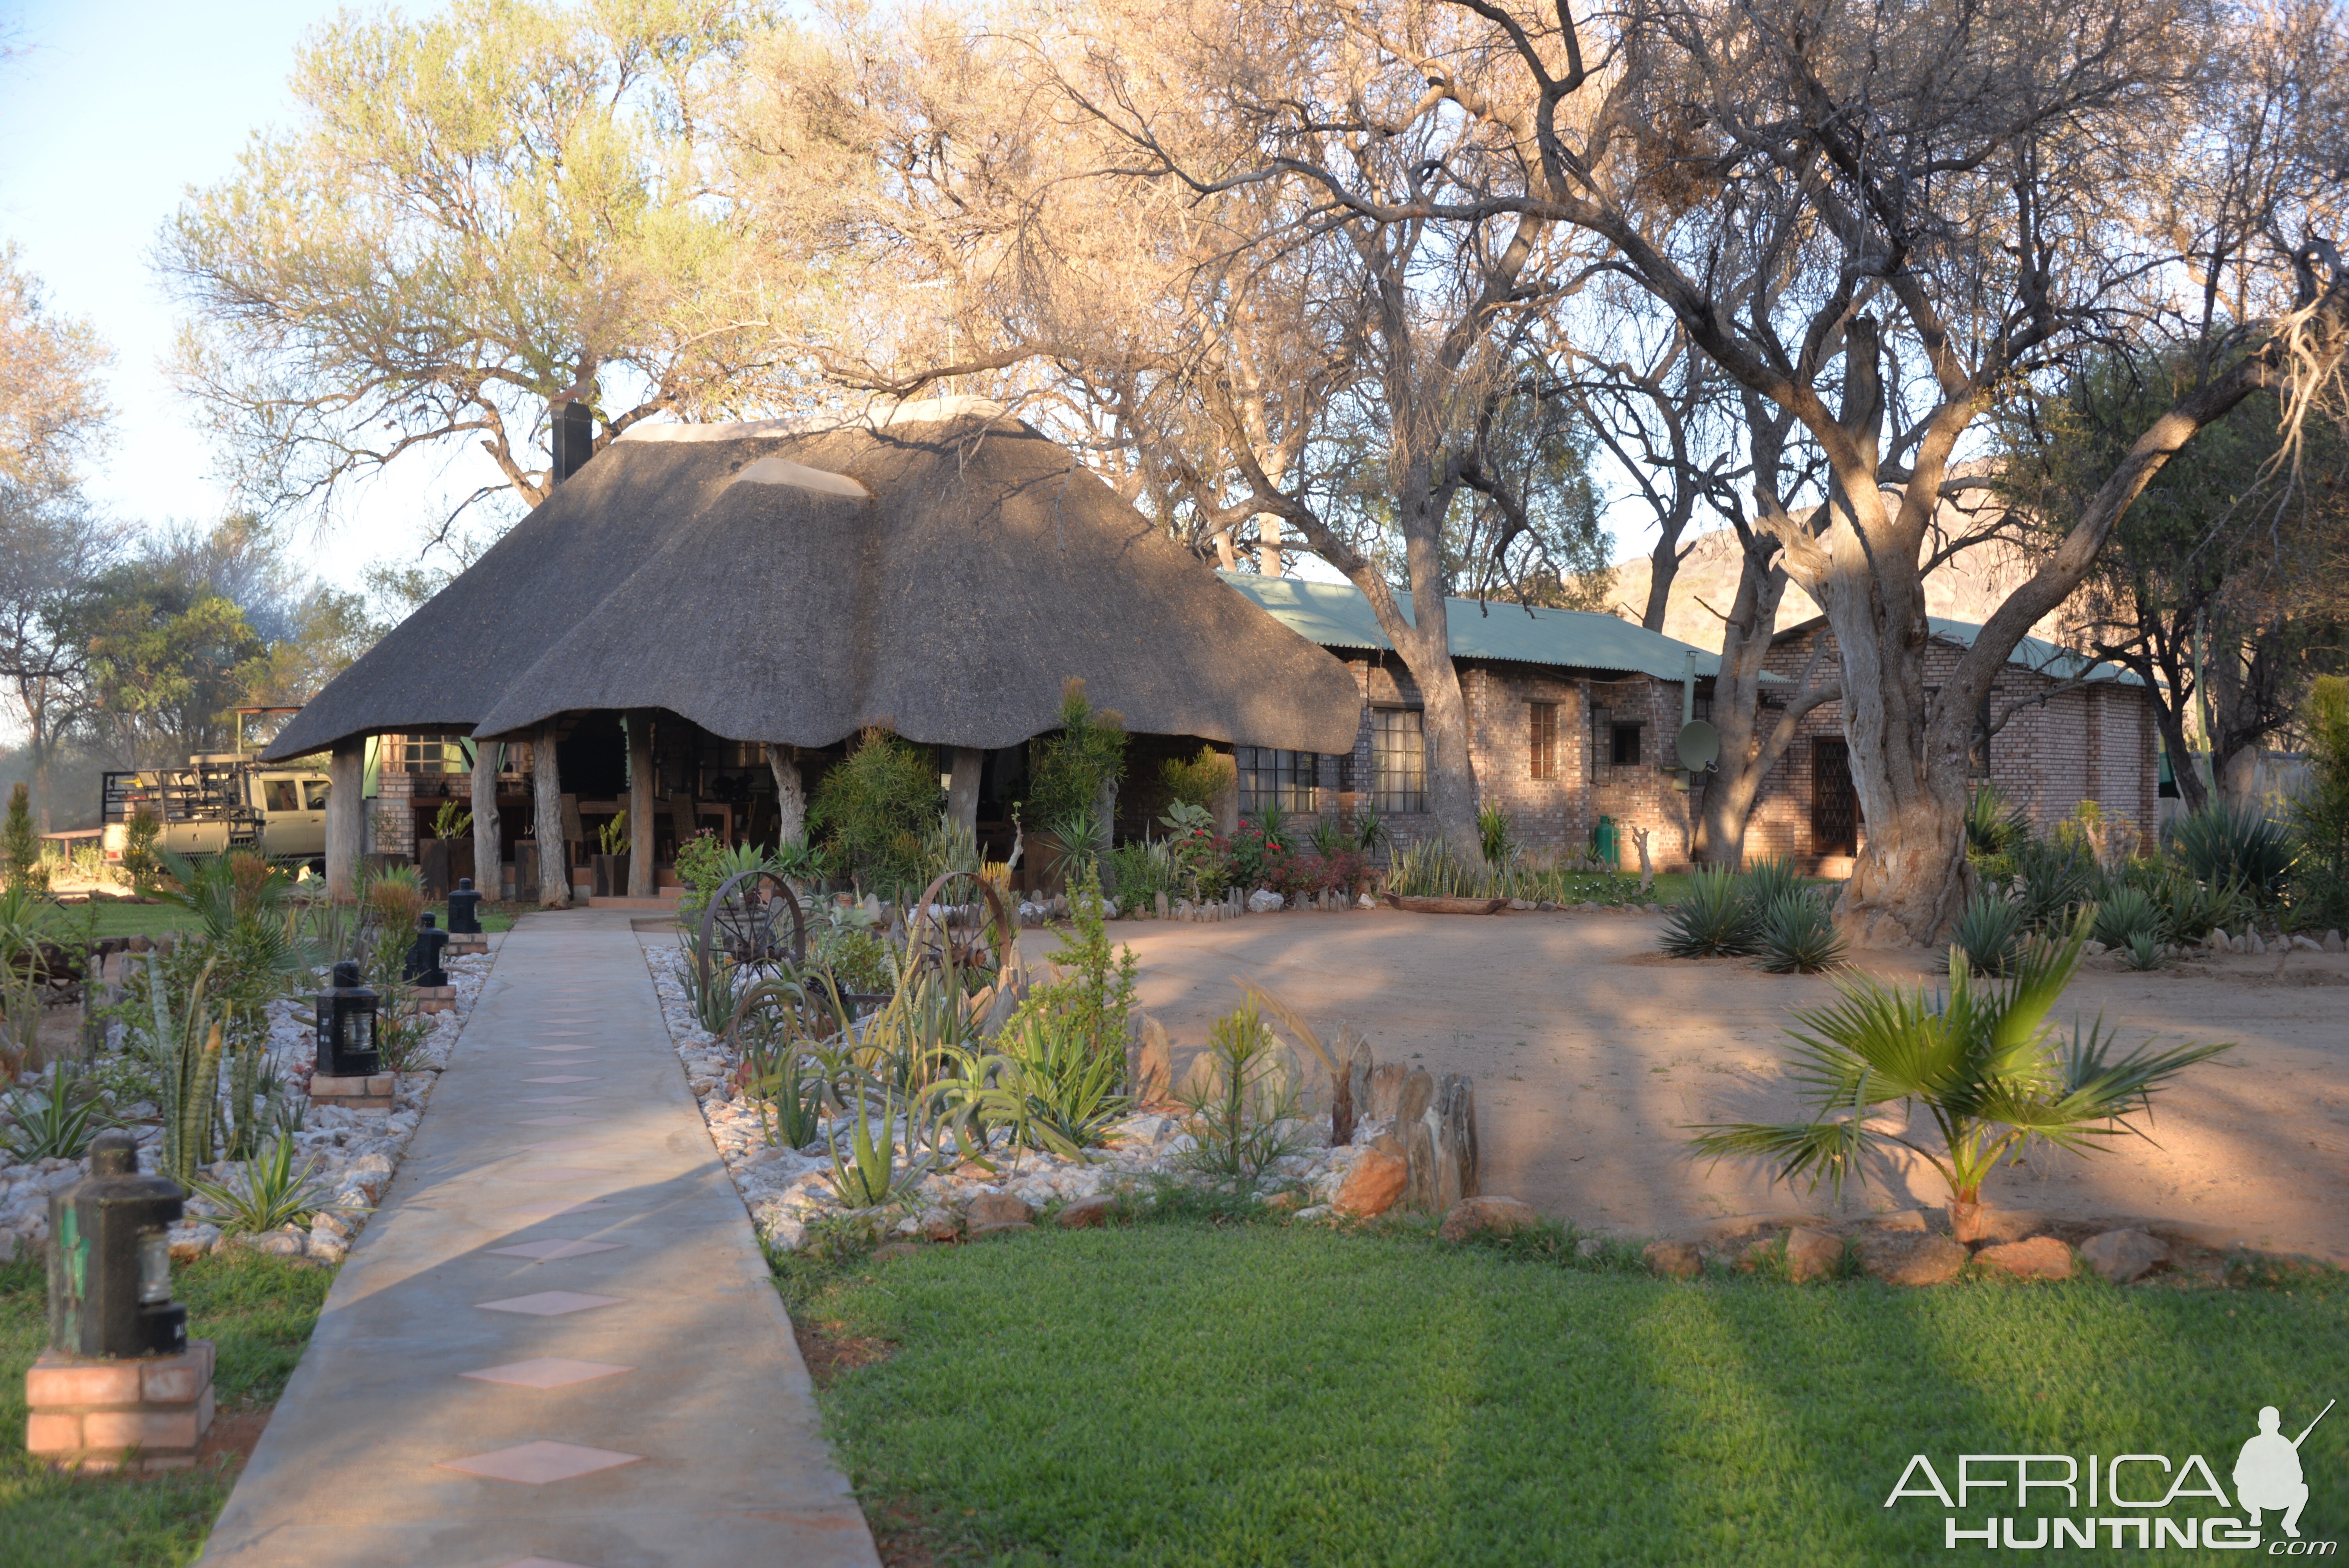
{"x": 1992, "y": 1075}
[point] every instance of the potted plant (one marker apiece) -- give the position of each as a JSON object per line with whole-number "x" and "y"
{"x": 612, "y": 862}
{"x": 447, "y": 852}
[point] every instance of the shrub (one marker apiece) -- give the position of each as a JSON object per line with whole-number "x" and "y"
{"x": 1795, "y": 935}
{"x": 1067, "y": 768}
{"x": 139, "y": 838}
{"x": 1243, "y": 1110}
{"x": 20, "y": 846}
{"x": 1429, "y": 869}
{"x": 56, "y": 1127}
{"x": 1716, "y": 919}
{"x": 1494, "y": 833}
{"x": 2054, "y": 881}
{"x": 1198, "y": 782}
{"x": 263, "y": 1194}
{"x": 871, "y": 809}
{"x": 2222, "y": 843}
{"x": 1989, "y": 932}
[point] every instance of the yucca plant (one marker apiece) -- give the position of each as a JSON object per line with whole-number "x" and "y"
{"x": 1993, "y": 826}
{"x": 2143, "y": 952}
{"x": 1715, "y": 920}
{"x": 2221, "y": 843}
{"x": 2122, "y": 915}
{"x": 1495, "y": 834}
{"x": 1794, "y": 935}
{"x": 1989, "y": 932}
{"x": 1992, "y": 1075}
{"x": 2190, "y": 909}
{"x": 2054, "y": 879}
{"x": 265, "y": 1194}
{"x": 55, "y": 1126}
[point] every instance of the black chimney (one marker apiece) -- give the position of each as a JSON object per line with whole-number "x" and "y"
{"x": 575, "y": 438}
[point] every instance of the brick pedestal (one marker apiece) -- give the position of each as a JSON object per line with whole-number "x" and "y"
{"x": 379, "y": 1091}
{"x": 463, "y": 942}
{"x": 143, "y": 1415}
{"x": 434, "y": 998}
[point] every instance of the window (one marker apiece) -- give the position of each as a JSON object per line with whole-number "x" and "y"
{"x": 1398, "y": 760}
{"x": 435, "y": 757}
{"x": 280, "y": 795}
{"x": 1274, "y": 777}
{"x": 314, "y": 794}
{"x": 1625, "y": 750}
{"x": 1543, "y": 743}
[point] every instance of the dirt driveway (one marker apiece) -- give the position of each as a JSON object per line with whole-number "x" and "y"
{"x": 1589, "y": 1050}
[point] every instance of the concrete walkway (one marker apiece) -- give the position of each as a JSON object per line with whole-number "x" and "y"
{"x": 557, "y": 1343}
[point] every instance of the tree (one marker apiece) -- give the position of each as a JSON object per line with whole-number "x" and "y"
{"x": 1137, "y": 200}
{"x": 167, "y": 658}
{"x": 1937, "y": 205}
{"x": 51, "y": 548}
{"x": 2222, "y": 566}
{"x": 482, "y": 212}
{"x": 53, "y": 411}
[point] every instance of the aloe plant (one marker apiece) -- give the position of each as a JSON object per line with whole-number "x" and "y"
{"x": 1993, "y": 1077}
{"x": 55, "y": 1127}
{"x": 265, "y": 1194}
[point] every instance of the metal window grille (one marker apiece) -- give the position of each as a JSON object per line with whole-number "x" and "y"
{"x": 1624, "y": 752}
{"x": 1270, "y": 777}
{"x": 1398, "y": 760}
{"x": 1543, "y": 742}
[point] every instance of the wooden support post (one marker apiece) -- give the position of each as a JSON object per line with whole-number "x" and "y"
{"x": 640, "y": 802}
{"x": 346, "y": 816}
{"x": 790, "y": 790}
{"x": 962, "y": 795}
{"x": 489, "y": 839}
{"x": 546, "y": 790}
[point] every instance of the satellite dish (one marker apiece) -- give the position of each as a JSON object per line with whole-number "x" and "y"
{"x": 1699, "y": 746}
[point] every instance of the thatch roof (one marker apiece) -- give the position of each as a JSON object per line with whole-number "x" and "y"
{"x": 735, "y": 575}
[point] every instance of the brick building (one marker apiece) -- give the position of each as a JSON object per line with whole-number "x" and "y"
{"x": 2070, "y": 732}
{"x": 1572, "y": 718}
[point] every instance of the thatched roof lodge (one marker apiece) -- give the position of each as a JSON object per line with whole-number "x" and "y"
{"x": 702, "y": 611}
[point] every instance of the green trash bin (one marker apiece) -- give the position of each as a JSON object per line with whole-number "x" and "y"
{"x": 1602, "y": 838}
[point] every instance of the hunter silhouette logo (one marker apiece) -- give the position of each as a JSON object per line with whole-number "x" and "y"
{"x": 2267, "y": 1473}
{"x": 2151, "y": 1501}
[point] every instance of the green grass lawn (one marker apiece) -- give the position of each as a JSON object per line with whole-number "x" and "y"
{"x": 1181, "y": 1393}
{"x": 109, "y": 918}
{"x": 257, "y": 1310}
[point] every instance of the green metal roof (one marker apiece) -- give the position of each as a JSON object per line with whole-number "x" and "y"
{"x": 1337, "y": 615}
{"x": 2037, "y": 653}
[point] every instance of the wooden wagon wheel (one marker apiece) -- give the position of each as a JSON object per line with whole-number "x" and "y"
{"x": 939, "y": 937}
{"x": 746, "y": 915}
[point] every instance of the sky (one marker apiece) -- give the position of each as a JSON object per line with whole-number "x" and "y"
{"x": 107, "y": 117}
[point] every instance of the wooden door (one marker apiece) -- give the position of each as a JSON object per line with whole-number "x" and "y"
{"x": 1835, "y": 804}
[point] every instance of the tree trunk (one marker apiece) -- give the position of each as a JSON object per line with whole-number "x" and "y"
{"x": 791, "y": 794}
{"x": 1425, "y": 645}
{"x": 962, "y": 795}
{"x": 641, "y": 871}
{"x": 488, "y": 836}
{"x": 346, "y": 817}
{"x": 2170, "y": 717}
{"x": 546, "y": 790}
{"x": 42, "y": 751}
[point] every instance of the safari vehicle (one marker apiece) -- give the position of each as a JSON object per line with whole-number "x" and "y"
{"x": 222, "y": 800}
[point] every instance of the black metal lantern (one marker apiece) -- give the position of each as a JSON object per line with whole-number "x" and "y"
{"x": 345, "y": 1013}
{"x": 110, "y": 1259}
{"x": 464, "y": 906}
{"x": 423, "y": 965}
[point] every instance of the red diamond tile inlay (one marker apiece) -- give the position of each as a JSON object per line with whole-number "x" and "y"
{"x": 536, "y": 1464}
{"x": 545, "y": 1372}
{"x": 551, "y": 1302}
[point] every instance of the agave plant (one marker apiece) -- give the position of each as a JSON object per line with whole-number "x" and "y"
{"x": 2053, "y": 880}
{"x": 2122, "y": 915}
{"x": 1989, "y": 933}
{"x": 2143, "y": 952}
{"x": 265, "y": 1194}
{"x": 1715, "y": 920}
{"x": 1796, "y": 935}
{"x": 1993, "y": 826}
{"x": 2221, "y": 844}
{"x": 1993, "y": 1077}
{"x": 55, "y": 1127}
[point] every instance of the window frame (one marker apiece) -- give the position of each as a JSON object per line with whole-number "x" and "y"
{"x": 1398, "y": 790}
{"x": 1616, "y": 729}
{"x": 1272, "y": 775}
{"x": 1541, "y": 740}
